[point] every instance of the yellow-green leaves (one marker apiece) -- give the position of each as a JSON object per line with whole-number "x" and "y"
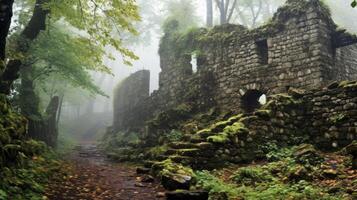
{"x": 103, "y": 21}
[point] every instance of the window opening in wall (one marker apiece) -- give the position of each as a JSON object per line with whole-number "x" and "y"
{"x": 194, "y": 62}
{"x": 262, "y": 46}
{"x": 252, "y": 100}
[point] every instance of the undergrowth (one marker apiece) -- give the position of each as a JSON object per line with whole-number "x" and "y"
{"x": 291, "y": 173}
{"x": 28, "y": 180}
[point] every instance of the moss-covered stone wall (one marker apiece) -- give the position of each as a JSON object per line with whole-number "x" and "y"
{"x": 295, "y": 49}
{"x": 325, "y": 118}
{"x": 332, "y": 114}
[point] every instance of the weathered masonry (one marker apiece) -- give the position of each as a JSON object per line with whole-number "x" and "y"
{"x": 300, "y": 47}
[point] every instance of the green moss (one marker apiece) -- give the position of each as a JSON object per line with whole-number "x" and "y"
{"x": 264, "y": 113}
{"x": 219, "y": 126}
{"x": 157, "y": 151}
{"x": 169, "y": 167}
{"x": 220, "y": 138}
{"x": 348, "y": 84}
{"x": 338, "y": 118}
{"x": 204, "y": 131}
{"x": 343, "y": 83}
{"x": 235, "y": 129}
{"x": 235, "y": 118}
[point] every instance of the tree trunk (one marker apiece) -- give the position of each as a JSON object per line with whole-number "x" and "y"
{"x": 223, "y": 12}
{"x": 29, "y": 101}
{"x": 5, "y": 21}
{"x": 31, "y": 31}
{"x": 60, "y": 109}
{"x": 209, "y": 16}
{"x": 45, "y": 128}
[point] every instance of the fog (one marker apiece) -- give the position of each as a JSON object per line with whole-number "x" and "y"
{"x": 153, "y": 16}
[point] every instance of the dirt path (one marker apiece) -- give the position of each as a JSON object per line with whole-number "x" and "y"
{"x": 89, "y": 176}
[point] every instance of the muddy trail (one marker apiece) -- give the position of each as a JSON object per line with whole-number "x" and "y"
{"x": 90, "y": 176}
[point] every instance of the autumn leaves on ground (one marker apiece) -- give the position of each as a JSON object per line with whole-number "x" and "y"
{"x": 87, "y": 175}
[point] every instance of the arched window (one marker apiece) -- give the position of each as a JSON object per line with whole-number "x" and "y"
{"x": 252, "y": 100}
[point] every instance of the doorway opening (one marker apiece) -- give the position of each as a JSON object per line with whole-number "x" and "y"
{"x": 253, "y": 100}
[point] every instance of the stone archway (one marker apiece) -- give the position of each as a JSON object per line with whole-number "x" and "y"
{"x": 252, "y": 100}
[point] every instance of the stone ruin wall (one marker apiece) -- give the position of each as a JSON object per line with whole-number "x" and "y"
{"x": 294, "y": 50}
{"x": 128, "y": 101}
{"x": 299, "y": 54}
{"x": 346, "y": 59}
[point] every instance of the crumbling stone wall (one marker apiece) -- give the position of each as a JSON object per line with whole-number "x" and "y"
{"x": 129, "y": 98}
{"x": 326, "y": 118}
{"x": 294, "y": 50}
{"x": 346, "y": 59}
{"x": 300, "y": 47}
{"x": 332, "y": 113}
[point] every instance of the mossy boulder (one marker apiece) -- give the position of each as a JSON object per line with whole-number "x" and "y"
{"x": 307, "y": 154}
{"x": 173, "y": 176}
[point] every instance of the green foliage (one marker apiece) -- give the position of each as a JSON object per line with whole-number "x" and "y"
{"x": 274, "y": 153}
{"x": 291, "y": 175}
{"x": 354, "y": 3}
{"x": 209, "y": 182}
{"x": 3, "y": 195}
{"x": 25, "y": 165}
{"x": 100, "y": 20}
{"x": 73, "y": 67}
{"x": 174, "y": 136}
{"x": 28, "y": 181}
{"x": 251, "y": 175}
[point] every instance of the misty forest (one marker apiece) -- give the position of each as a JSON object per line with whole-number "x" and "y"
{"x": 178, "y": 99}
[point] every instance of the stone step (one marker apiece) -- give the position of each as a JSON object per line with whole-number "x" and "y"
{"x": 186, "y": 160}
{"x": 205, "y": 146}
{"x": 197, "y": 140}
{"x": 183, "y": 152}
{"x": 182, "y": 145}
{"x": 162, "y": 157}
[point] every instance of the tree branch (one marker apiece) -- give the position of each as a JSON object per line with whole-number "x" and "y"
{"x": 232, "y": 10}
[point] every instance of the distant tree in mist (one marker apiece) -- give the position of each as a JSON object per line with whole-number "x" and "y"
{"x": 209, "y": 13}
{"x": 226, "y": 9}
{"x": 252, "y": 13}
{"x": 183, "y": 11}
